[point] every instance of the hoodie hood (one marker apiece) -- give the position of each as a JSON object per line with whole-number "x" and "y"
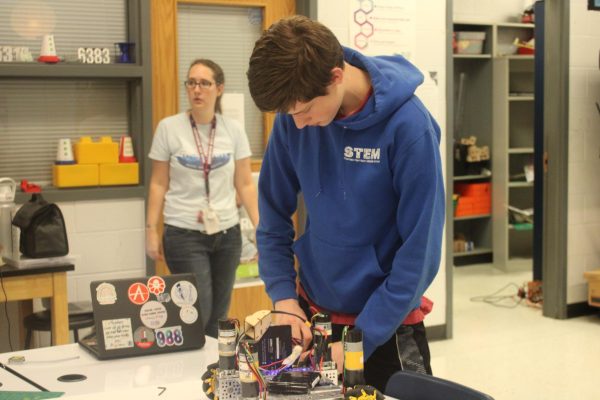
{"x": 394, "y": 80}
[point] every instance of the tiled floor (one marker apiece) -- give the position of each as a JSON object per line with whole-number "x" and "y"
{"x": 516, "y": 353}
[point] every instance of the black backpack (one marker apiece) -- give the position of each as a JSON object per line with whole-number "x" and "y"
{"x": 43, "y": 232}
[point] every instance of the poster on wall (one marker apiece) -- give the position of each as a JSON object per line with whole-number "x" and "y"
{"x": 383, "y": 27}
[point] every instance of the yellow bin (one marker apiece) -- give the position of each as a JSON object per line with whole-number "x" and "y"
{"x": 119, "y": 174}
{"x": 75, "y": 175}
{"x": 103, "y": 152}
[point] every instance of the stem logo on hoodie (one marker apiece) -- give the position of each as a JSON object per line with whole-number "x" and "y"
{"x": 362, "y": 154}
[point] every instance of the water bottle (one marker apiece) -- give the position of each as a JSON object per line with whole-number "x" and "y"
{"x": 7, "y": 207}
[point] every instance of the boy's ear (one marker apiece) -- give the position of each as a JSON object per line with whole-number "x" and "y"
{"x": 337, "y": 75}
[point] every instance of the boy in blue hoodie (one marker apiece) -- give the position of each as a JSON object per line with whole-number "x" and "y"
{"x": 350, "y": 136}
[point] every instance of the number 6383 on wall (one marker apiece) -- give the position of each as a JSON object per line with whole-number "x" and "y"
{"x": 93, "y": 55}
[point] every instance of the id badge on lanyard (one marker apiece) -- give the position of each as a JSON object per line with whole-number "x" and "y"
{"x": 206, "y": 215}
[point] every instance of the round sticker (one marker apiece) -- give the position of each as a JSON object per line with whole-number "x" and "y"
{"x": 188, "y": 314}
{"x": 153, "y": 314}
{"x": 106, "y": 293}
{"x": 143, "y": 337}
{"x": 184, "y": 293}
{"x": 156, "y": 284}
{"x": 163, "y": 297}
{"x": 138, "y": 293}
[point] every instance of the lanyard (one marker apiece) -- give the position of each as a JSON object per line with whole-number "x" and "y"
{"x": 207, "y": 158}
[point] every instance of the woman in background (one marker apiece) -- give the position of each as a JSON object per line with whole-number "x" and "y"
{"x": 200, "y": 160}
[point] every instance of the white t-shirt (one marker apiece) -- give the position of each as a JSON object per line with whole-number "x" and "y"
{"x": 186, "y": 196}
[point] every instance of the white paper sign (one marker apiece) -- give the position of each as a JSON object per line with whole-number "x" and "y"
{"x": 233, "y": 106}
{"x": 117, "y": 333}
{"x": 383, "y": 27}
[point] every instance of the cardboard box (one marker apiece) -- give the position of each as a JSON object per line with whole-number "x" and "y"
{"x": 593, "y": 278}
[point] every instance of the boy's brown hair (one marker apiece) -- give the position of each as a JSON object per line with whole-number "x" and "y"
{"x": 291, "y": 62}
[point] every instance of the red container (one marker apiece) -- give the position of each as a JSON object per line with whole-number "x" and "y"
{"x": 525, "y": 51}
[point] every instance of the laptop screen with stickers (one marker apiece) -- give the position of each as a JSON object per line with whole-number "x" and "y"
{"x": 143, "y": 316}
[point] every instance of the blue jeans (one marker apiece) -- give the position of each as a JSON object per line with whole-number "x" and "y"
{"x": 213, "y": 259}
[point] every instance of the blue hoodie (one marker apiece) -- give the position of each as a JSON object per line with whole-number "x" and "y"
{"x": 373, "y": 191}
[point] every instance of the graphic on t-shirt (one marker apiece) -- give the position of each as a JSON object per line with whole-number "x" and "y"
{"x": 195, "y": 162}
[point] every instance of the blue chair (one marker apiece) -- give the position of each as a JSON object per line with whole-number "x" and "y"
{"x": 406, "y": 385}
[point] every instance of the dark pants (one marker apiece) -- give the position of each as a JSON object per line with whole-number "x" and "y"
{"x": 406, "y": 350}
{"x": 213, "y": 259}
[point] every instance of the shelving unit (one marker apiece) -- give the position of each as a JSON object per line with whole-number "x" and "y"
{"x": 478, "y": 75}
{"x": 498, "y": 110}
{"x": 513, "y": 146}
{"x": 131, "y": 82}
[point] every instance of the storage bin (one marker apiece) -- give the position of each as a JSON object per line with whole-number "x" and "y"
{"x": 119, "y": 174}
{"x": 104, "y": 151}
{"x": 75, "y": 175}
{"x": 469, "y": 42}
{"x": 473, "y": 199}
{"x": 247, "y": 270}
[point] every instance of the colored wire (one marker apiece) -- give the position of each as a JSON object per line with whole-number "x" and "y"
{"x": 289, "y": 313}
{"x": 495, "y": 298}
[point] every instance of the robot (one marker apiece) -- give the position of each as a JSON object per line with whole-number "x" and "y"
{"x": 264, "y": 359}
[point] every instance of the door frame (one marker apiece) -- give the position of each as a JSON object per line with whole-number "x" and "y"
{"x": 165, "y": 80}
{"x": 556, "y": 143}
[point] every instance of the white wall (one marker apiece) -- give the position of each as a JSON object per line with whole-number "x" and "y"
{"x": 430, "y": 56}
{"x": 107, "y": 241}
{"x": 489, "y": 10}
{"x": 583, "y": 250}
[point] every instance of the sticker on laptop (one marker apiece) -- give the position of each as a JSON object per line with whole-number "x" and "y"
{"x": 117, "y": 333}
{"x": 138, "y": 293}
{"x": 106, "y": 293}
{"x": 156, "y": 284}
{"x": 143, "y": 337}
{"x": 188, "y": 314}
{"x": 163, "y": 297}
{"x": 169, "y": 336}
{"x": 153, "y": 314}
{"x": 184, "y": 293}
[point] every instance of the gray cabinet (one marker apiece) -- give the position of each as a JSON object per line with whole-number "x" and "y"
{"x": 495, "y": 104}
{"x": 513, "y": 145}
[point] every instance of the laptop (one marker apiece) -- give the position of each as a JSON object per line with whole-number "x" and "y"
{"x": 144, "y": 316}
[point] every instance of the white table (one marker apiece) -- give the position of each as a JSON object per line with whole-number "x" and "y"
{"x": 164, "y": 376}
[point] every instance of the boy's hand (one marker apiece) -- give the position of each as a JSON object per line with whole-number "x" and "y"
{"x": 299, "y": 329}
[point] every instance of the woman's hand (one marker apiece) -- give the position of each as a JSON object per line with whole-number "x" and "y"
{"x": 153, "y": 245}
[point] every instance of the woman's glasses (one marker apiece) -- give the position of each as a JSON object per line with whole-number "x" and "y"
{"x": 202, "y": 83}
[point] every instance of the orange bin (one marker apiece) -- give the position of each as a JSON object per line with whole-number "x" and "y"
{"x": 474, "y": 199}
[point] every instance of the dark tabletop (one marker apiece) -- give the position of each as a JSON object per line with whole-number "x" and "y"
{"x": 8, "y": 271}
